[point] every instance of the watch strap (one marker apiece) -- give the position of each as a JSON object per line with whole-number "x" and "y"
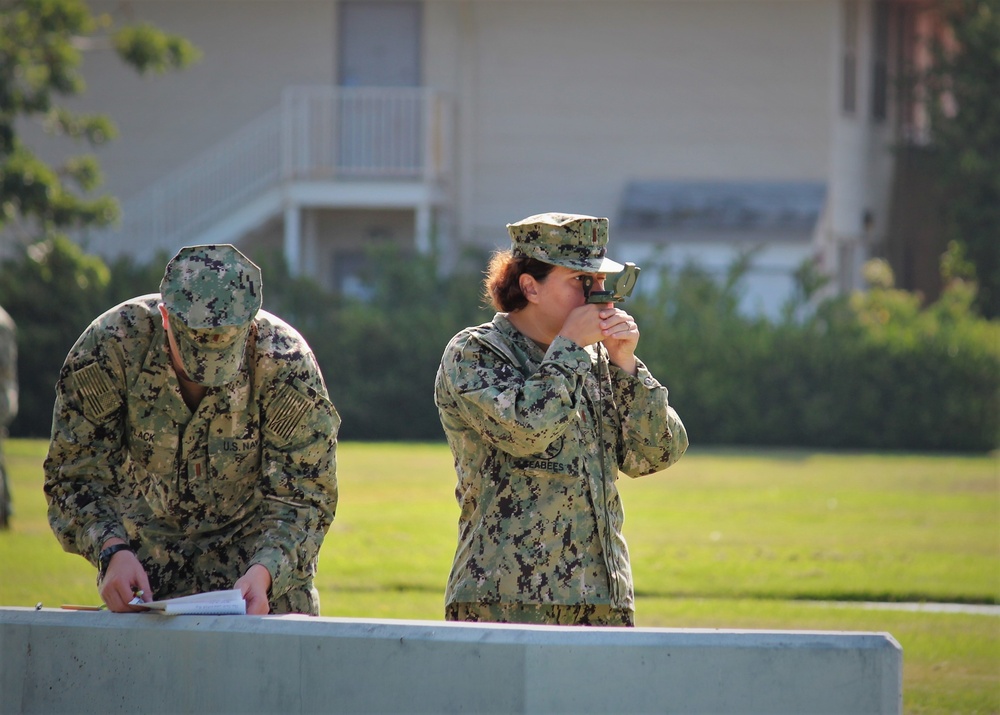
{"x": 105, "y": 558}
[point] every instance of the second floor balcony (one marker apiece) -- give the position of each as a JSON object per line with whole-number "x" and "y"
{"x": 321, "y": 146}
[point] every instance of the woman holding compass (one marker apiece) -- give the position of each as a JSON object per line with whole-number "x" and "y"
{"x": 543, "y": 407}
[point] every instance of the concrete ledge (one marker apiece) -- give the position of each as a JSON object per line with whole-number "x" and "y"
{"x": 54, "y": 661}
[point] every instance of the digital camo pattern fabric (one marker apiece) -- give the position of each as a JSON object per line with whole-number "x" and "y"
{"x": 248, "y": 477}
{"x": 574, "y": 241}
{"x": 212, "y": 287}
{"x": 544, "y": 614}
{"x": 212, "y": 294}
{"x": 538, "y": 439}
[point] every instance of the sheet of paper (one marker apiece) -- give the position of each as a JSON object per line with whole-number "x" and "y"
{"x": 211, "y": 602}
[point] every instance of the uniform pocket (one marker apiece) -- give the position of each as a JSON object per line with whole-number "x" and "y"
{"x": 233, "y": 471}
{"x": 552, "y": 462}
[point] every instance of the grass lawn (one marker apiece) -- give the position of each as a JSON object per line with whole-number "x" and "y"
{"x": 724, "y": 539}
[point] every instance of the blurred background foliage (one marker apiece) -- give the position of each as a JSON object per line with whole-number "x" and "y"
{"x": 883, "y": 368}
{"x": 874, "y": 370}
{"x": 878, "y": 369}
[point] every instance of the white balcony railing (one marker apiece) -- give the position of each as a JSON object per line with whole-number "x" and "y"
{"x": 326, "y": 134}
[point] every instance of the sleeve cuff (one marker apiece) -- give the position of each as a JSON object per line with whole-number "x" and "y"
{"x": 642, "y": 376}
{"x": 569, "y": 355}
{"x": 276, "y": 564}
{"x": 99, "y": 533}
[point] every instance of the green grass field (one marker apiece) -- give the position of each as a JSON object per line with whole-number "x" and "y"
{"x": 724, "y": 539}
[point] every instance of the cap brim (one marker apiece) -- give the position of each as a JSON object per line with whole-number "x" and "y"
{"x": 606, "y": 265}
{"x": 207, "y": 365}
{"x": 576, "y": 258}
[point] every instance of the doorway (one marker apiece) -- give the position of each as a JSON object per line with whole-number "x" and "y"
{"x": 380, "y": 109}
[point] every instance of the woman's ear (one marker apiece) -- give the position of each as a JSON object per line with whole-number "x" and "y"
{"x": 529, "y": 287}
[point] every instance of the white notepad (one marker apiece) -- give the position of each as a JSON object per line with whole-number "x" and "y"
{"x": 211, "y": 603}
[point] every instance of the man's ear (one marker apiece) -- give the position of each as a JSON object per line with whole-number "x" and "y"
{"x": 163, "y": 314}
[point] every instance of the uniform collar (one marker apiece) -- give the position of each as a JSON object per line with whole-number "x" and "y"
{"x": 158, "y": 383}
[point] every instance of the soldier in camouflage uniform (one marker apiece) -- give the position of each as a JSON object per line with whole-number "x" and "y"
{"x": 8, "y": 406}
{"x": 542, "y": 407}
{"x": 193, "y": 444}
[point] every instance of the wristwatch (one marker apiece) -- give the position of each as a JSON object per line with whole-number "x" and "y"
{"x": 105, "y": 558}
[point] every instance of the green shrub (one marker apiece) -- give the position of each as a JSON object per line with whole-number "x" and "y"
{"x": 52, "y": 291}
{"x": 874, "y": 370}
{"x": 379, "y": 356}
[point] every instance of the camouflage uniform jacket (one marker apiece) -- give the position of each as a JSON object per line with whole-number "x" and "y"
{"x": 538, "y": 438}
{"x": 251, "y": 472}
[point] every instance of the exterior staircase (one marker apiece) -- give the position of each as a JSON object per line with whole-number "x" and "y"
{"x": 321, "y": 146}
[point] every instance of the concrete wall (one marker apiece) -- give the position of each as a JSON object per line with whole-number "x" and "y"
{"x": 54, "y": 661}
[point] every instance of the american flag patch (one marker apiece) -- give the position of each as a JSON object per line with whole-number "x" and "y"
{"x": 287, "y": 411}
{"x": 96, "y": 391}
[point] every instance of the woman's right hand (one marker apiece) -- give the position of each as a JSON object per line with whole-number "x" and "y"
{"x": 583, "y": 324}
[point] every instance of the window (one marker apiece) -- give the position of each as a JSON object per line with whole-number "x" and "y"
{"x": 379, "y": 43}
{"x": 380, "y": 124}
{"x": 350, "y": 275}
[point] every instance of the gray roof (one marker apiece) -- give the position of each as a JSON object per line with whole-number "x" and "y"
{"x": 727, "y": 206}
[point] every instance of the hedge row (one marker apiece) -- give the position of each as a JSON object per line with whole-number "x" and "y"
{"x": 875, "y": 371}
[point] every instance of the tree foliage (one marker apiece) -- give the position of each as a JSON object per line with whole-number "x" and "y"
{"x": 380, "y": 354}
{"x": 964, "y": 104}
{"x": 40, "y": 65}
{"x": 875, "y": 370}
{"x": 52, "y": 291}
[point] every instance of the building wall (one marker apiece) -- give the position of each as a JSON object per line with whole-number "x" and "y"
{"x": 561, "y": 102}
{"x": 335, "y": 241}
{"x": 558, "y": 103}
{"x": 251, "y": 50}
{"x": 766, "y": 287}
{"x": 339, "y": 261}
{"x": 861, "y": 162}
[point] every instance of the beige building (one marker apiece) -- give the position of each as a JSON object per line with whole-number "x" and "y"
{"x": 701, "y": 128}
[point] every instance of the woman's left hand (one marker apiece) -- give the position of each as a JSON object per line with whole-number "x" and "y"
{"x": 621, "y": 336}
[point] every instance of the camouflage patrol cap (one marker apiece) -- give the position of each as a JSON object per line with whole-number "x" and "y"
{"x": 212, "y": 294}
{"x": 569, "y": 240}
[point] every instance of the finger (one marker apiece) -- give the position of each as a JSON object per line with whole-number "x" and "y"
{"x": 147, "y": 591}
{"x": 117, "y": 597}
{"x": 141, "y": 594}
{"x": 138, "y": 584}
{"x": 244, "y": 588}
{"x": 257, "y": 606}
{"x": 617, "y": 327}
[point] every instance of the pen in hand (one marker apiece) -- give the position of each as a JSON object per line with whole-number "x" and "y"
{"x": 136, "y": 601}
